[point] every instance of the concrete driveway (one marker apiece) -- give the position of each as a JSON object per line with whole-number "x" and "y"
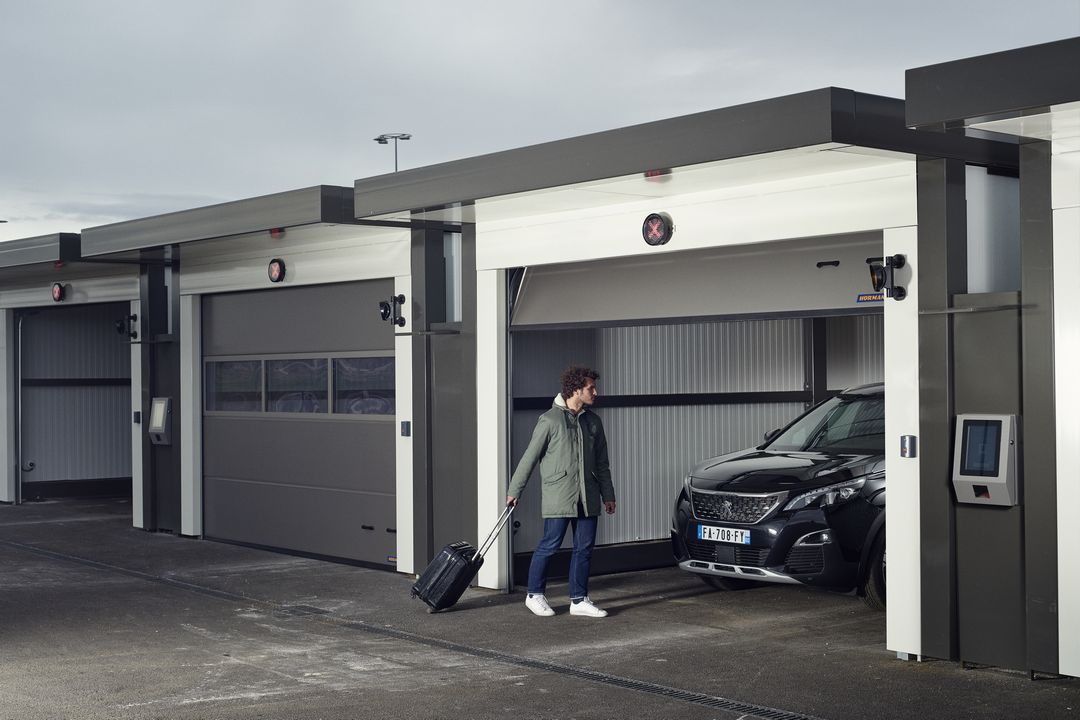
{"x": 99, "y": 620}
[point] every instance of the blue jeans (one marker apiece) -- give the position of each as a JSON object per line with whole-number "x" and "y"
{"x": 584, "y": 538}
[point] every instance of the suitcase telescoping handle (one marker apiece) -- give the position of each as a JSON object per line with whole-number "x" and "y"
{"x": 495, "y": 532}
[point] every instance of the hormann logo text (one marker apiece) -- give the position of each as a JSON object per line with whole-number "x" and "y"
{"x": 870, "y": 297}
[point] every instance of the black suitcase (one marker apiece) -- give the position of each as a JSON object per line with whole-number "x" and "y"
{"x": 445, "y": 579}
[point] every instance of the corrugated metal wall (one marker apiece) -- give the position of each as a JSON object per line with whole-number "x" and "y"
{"x": 856, "y": 350}
{"x": 79, "y": 341}
{"x": 750, "y": 355}
{"x": 76, "y": 432}
{"x": 652, "y": 448}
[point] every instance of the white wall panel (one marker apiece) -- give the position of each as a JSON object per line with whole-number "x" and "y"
{"x": 82, "y": 289}
{"x": 135, "y": 353}
{"x": 1065, "y": 185}
{"x": 191, "y": 415}
{"x": 828, "y": 204}
{"x": 313, "y": 255}
{"x": 405, "y": 511}
{"x": 902, "y": 537}
{"x": 491, "y": 422}
{"x": 1066, "y": 400}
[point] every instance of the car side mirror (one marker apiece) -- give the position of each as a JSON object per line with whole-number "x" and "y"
{"x": 771, "y": 434}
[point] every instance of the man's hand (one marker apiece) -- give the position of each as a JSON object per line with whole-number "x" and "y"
{"x": 609, "y": 507}
{"x": 512, "y": 501}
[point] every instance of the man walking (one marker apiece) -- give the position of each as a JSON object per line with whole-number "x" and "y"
{"x": 569, "y": 445}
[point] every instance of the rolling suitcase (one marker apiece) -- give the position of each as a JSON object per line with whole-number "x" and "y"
{"x": 445, "y": 579}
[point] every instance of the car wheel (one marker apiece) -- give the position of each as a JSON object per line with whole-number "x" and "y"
{"x": 873, "y": 589}
{"x": 725, "y": 583}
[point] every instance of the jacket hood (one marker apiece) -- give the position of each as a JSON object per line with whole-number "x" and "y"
{"x": 560, "y": 403}
{"x": 762, "y": 471}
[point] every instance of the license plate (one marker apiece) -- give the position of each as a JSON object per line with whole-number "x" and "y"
{"x": 722, "y": 534}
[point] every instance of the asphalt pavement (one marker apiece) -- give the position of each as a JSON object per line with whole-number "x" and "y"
{"x": 101, "y": 620}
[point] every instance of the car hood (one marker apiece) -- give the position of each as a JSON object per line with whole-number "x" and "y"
{"x": 765, "y": 471}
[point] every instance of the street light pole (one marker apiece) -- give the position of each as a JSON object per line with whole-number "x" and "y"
{"x": 385, "y": 138}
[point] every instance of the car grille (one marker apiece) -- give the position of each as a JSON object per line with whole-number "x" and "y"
{"x": 804, "y": 560}
{"x": 727, "y": 554}
{"x": 751, "y": 557}
{"x": 701, "y": 550}
{"x": 734, "y": 508}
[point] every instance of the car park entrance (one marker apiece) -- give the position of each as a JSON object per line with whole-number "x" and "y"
{"x": 678, "y": 389}
{"x": 74, "y": 391}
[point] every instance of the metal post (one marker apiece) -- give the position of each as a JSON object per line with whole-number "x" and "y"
{"x": 385, "y": 138}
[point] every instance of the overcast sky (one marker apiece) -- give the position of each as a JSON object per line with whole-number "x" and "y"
{"x": 112, "y": 110}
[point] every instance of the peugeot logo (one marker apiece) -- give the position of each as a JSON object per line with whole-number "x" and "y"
{"x": 726, "y": 509}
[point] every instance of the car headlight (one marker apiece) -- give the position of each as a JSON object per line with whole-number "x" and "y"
{"x": 828, "y": 495}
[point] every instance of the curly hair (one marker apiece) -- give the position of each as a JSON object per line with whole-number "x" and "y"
{"x": 575, "y": 378}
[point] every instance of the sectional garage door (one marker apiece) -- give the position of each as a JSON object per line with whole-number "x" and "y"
{"x": 298, "y": 420}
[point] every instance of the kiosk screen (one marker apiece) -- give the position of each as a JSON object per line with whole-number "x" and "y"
{"x": 158, "y": 411}
{"x": 982, "y": 448}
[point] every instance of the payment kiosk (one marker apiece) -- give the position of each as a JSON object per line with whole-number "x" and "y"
{"x": 160, "y": 426}
{"x": 984, "y": 460}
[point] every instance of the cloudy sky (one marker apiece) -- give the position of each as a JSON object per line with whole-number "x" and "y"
{"x": 118, "y": 109}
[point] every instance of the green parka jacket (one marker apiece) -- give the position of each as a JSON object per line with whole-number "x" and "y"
{"x": 573, "y": 457}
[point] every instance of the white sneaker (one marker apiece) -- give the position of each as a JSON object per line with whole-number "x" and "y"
{"x": 586, "y": 608}
{"x": 539, "y": 605}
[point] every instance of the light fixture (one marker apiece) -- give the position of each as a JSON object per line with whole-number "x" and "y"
{"x": 276, "y": 270}
{"x": 657, "y": 228}
{"x": 126, "y": 326}
{"x": 59, "y": 291}
{"x": 390, "y": 311}
{"x": 385, "y": 139}
{"x": 882, "y": 276}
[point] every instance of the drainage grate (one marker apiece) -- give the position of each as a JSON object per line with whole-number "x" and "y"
{"x": 321, "y": 615}
{"x": 299, "y": 611}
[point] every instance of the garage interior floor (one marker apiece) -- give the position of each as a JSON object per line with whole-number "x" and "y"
{"x": 100, "y": 620}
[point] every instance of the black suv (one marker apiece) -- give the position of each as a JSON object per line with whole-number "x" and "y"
{"x": 807, "y": 506}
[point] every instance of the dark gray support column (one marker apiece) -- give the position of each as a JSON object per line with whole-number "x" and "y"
{"x": 453, "y": 411}
{"x": 942, "y": 272}
{"x": 1039, "y": 492}
{"x": 989, "y": 539}
{"x": 160, "y": 356}
{"x": 444, "y": 386}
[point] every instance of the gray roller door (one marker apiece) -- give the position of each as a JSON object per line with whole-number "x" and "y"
{"x": 824, "y": 275}
{"x": 298, "y": 420}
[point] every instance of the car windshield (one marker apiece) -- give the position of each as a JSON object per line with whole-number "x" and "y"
{"x": 844, "y": 424}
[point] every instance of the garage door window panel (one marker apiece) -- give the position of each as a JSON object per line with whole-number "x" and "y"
{"x": 234, "y": 386}
{"x": 364, "y": 386}
{"x": 297, "y": 385}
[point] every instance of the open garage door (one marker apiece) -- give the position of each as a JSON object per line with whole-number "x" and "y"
{"x": 74, "y": 385}
{"x": 700, "y": 354}
{"x": 298, "y": 420}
